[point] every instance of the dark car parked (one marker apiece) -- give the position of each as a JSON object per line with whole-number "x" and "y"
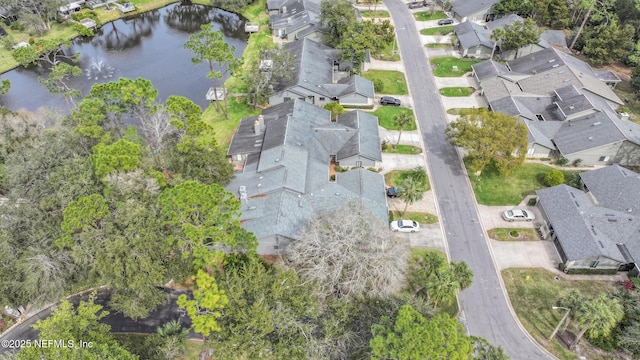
{"x": 388, "y": 100}
{"x": 445, "y": 22}
{"x": 416, "y": 4}
{"x": 392, "y": 192}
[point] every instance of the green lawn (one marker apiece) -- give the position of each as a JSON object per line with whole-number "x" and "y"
{"x": 389, "y": 52}
{"x": 445, "y": 66}
{"x": 491, "y": 188}
{"x": 225, "y": 129}
{"x": 402, "y": 149}
{"x": 375, "y": 14}
{"x": 440, "y": 30}
{"x": 456, "y": 91}
{"x": 395, "y": 178}
{"x": 427, "y": 15}
{"x": 419, "y": 217}
{"x": 434, "y": 46}
{"x": 385, "y": 116}
{"x": 394, "y": 81}
{"x": 513, "y": 234}
{"x": 533, "y": 293}
{"x": 459, "y": 111}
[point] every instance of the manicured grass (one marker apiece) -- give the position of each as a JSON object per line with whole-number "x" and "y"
{"x": 385, "y": 116}
{"x": 225, "y": 129}
{"x": 459, "y": 111}
{"x": 445, "y": 66}
{"x": 533, "y": 293}
{"x": 390, "y": 52}
{"x": 491, "y": 188}
{"x": 255, "y": 13}
{"x": 394, "y": 81}
{"x": 427, "y": 15}
{"x": 440, "y": 30}
{"x": 251, "y": 54}
{"x": 395, "y": 178}
{"x": 456, "y": 91}
{"x": 375, "y": 14}
{"x": 434, "y": 46}
{"x": 419, "y": 217}
{"x": 402, "y": 149}
{"x": 521, "y": 234}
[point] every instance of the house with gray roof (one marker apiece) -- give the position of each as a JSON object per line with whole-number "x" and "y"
{"x": 567, "y": 107}
{"x": 319, "y": 78}
{"x": 597, "y": 226}
{"x": 474, "y": 40}
{"x": 473, "y": 10}
{"x": 286, "y": 162}
{"x": 295, "y": 19}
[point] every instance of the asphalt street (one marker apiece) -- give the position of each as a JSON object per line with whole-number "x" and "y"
{"x": 484, "y": 309}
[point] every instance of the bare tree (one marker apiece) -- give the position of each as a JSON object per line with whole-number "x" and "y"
{"x": 348, "y": 253}
{"x": 155, "y": 126}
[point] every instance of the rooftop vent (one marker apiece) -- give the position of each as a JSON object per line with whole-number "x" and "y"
{"x": 277, "y": 160}
{"x": 555, "y": 65}
{"x": 337, "y": 194}
{"x": 552, "y": 60}
{"x": 571, "y": 107}
{"x": 590, "y": 138}
{"x": 597, "y": 123}
{"x": 252, "y": 207}
{"x": 566, "y": 80}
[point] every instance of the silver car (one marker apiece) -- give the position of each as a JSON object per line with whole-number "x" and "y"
{"x": 518, "y": 215}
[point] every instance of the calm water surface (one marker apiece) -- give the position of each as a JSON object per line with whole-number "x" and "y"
{"x": 150, "y": 45}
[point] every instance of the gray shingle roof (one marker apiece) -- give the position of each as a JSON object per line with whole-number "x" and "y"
{"x": 587, "y": 133}
{"x": 471, "y": 34}
{"x": 507, "y": 20}
{"x": 288, "y": 180}
{"x": 615, "y": 188}
{"x": 600, "y": 224}
{"x": 470, "y": 7}
{"x": 488, "y": 69}
{"x": 299, "y": 13}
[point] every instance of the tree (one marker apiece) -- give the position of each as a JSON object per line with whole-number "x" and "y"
{"x": 57, "y": 82}
{"x": 411, "y": 190}
{"x": 70, "y": 328}
{"x": 209, "y": 45}
{"x": 551, "y": 13}
{"x": 609, "y": 43}
{"x": 5, "y": 84}
{"x": 204, "y": 308}
{"x": 598, "y": 315}
{"x": 204, "y": 223}
{"x": 335, "y": 108}
{"x": 38, "y": 14}
{"x": 429, "y": 271}
{"x": 123, "y": 155}
{"x": 490, "y": 137}
{"x": 275, "y": 65}
{"x": 270, "y": 311}
{"x": 347, "y": 252}
{"x": 483, "y": 350}
{"x": 520, "y": 7}
{"x": 411, "y": 336}
{"x": 554, "y": 177}
{"x": 519, "y": 34}
{"x": 402, "y": 121}
{"x": 155, "y": 127}
{"x": 336, "y": 17}
{"x": 497, "y": 35}
{"x": 192, "y": 151}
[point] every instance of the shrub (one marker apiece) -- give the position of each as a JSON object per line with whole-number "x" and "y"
{"x": 335, "y": 108}
{"x": 378, "y": 85}
{"x": 532, "y": 202}
{"x": 385, "y": 145}
{"x": 554, "y": 178}
{"x": 562, "y": 161}
{"x": 417, "y": 173}
{"x": 577, "y": 162}
{"x": 32, "y": 41}
{"x": 7, "y": 42}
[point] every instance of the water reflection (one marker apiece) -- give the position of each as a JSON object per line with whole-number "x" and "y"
{"x": 141, "y": 46}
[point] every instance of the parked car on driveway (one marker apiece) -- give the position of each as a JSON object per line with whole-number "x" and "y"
{"x": 405, "y": 226}
{"x": 445, "y": 22}
{"x": 388, "y": 100}
{"x": 518, "y": 215}
{"x": 392, "y": 192}
{"x": 416, "y": 4}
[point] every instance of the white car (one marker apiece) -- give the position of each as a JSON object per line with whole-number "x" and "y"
{"x": 405, "y": 226}
{"x": 518, "y": 215}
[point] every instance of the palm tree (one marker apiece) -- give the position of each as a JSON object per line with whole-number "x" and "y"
{"x": 462, "y": 273}
{"x": 402, "y": 121}
{"x": 423, "y": 268}
{"x": 442, "y": 287}
{"x": 497, "y": 36}
{"x": 599, "y": 316}
{"x": 411, "y": 191}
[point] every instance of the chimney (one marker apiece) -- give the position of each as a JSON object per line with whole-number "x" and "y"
{"x": 257, "y": 129}
{"x": 261, "y": 121}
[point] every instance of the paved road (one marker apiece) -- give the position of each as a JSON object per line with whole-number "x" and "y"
{"x": 485, "y": 311}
